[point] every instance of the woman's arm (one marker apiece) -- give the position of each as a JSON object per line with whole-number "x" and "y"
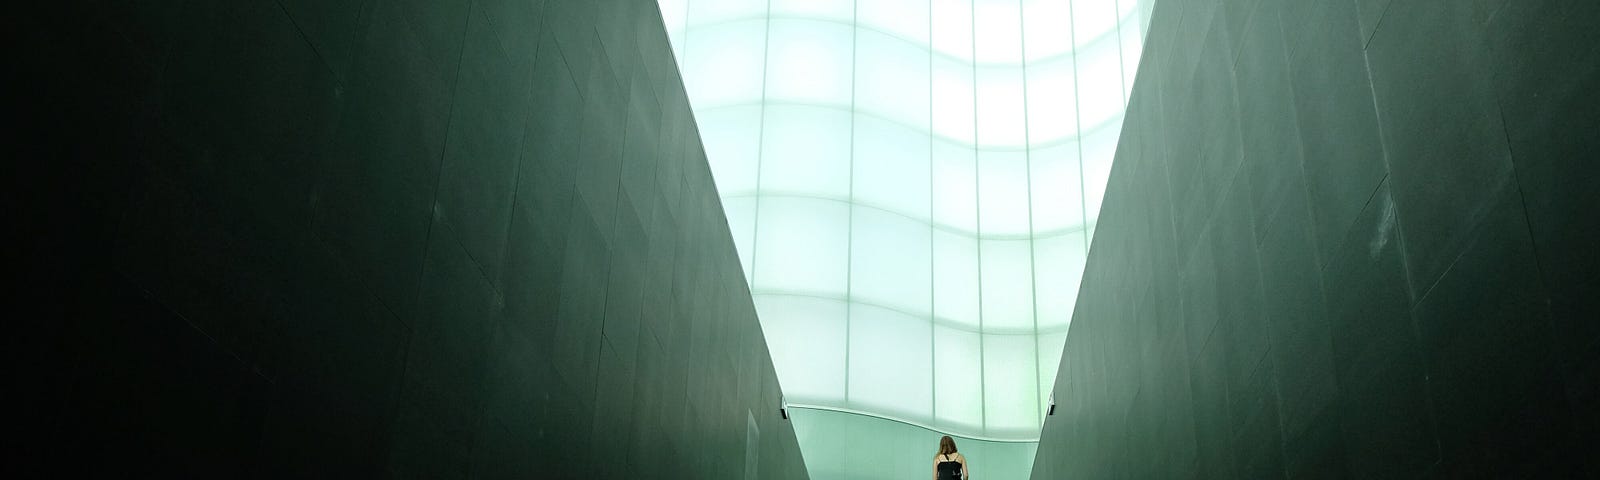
{"x": 935, "y": 468}
{"x": 964, "y": 473}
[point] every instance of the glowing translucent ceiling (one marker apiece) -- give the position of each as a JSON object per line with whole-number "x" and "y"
{"x": 911, "y": 186}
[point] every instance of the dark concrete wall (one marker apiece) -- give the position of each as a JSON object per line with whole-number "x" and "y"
{"x": 1345, "y": 238}
{"x": 407, "y": 238}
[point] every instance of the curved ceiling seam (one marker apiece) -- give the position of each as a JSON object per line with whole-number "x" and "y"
{"x": 932, "y": 428}
{"x": 1076, "y": 126}
{"x": 944, "y": 227}
{"x": 1106, "y": 36}
{"x": 935, "y": 319}
{"x": 1114, "y": 120}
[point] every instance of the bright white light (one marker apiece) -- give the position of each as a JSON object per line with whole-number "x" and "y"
{"x": 912, "y": 185}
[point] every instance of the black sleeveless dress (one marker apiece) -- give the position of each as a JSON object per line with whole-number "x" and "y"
{"x": 949, "y": 469}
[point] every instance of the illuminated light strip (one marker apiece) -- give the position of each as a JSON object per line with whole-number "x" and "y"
{"x": 931, "y": 428}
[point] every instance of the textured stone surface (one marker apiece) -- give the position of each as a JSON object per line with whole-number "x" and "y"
{"x": 383, "y": 238}
{"x": 1385, "y": 271}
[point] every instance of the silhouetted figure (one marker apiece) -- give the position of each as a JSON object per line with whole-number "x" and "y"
{"x": 949, "y": 465}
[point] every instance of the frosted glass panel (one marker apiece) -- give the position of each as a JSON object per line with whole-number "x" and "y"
{"x": 706, "y": 12}
{"x": 816, "y": 62}
{"x": 1010, "y": 384}
{"x": 802, "y": 246}
{"x": 732, "y": 138}
{"x": 889, "y": 356}
{"x": 892, "y": 79}
{"x": 722, "y": 64}
{"x": 1050, "y": 347}
{"x": 1057, "y": 192}
{"x": 866, "y": 461}
{"x": 1045, "y": 32}
{"x": 958, "y": 378}
{"x": 810, "y": 358}
{"x": 911, "y": 185}
{"x": 1052, "y": 108}
{"x": 837, "y": 10}
{"x": 1099, "y": 83}
{"x": 1131, "y": 53}
{"x": 675, "y": 16}
{"x": 1001, "y": 117}
{"x": 955, "y": 186}
{"x": 891, "y": 167}
{"x": 997, "y": 31}
{"x": 1098, "y": 149}
{"x": 891, "y": 261}
{"x": 1058, "y": 268}
{"x": 952, "y": 28}
{"x": 741, "y": 213}
{"x": 863, "y": 447}
{"x": 806, "y": 150}
{"x": 907, "y": 19}
{"x": 1003, "y": 193}
{"x": 953, "y": 101}
{"x": 1007, "y": 286}
{"x": 820, "y": 435}
{"x": 1093, "y": 20}
{"x": 955, "y": 279}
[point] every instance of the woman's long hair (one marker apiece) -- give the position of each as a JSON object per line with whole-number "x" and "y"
{"x": 947, "y": 445}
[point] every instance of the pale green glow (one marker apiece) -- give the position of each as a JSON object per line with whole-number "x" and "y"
{"x": 912, "y": 186}
{"x": 840, "y": 445}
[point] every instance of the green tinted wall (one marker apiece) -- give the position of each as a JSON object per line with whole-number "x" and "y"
{"x": 373, "y": 239}
{"x": 1345, "y": 239}
{"x": 844, "y": 445}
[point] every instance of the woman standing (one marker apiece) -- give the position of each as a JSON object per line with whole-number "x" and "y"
{"x": 949, "y": 465}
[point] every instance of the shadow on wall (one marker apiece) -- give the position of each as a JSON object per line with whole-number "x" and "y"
{"x": 377, "y": 239}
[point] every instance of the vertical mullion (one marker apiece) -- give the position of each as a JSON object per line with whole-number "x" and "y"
{"x": 1077, "y": 113}
{"x": 849, "y": 283}
{"x": 933, "y": 314}
{"x": 977, "y": 189}
{"x": 761, "y": 149}
{"x": 1027, "y": 158}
